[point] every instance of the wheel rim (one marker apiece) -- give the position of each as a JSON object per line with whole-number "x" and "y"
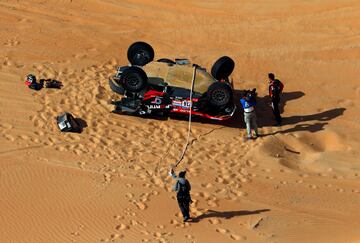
{"x": 218, "y": 96}
{"x": 132, "y": 80}
{"x": 142, "y": 57}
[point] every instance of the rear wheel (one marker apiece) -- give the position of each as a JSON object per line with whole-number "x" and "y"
{"x": 219, "y": 94}
{"x": 133, "y": 79}
{"x": 222, "y": 68}
{"x": 140, "y": 53}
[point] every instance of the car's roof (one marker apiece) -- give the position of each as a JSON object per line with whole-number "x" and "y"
{"x": 178, "y": 75}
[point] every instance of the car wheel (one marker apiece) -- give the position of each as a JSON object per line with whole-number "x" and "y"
{"x": 222, "y": 68}
{"x": 140, "y": 53}
{"x": 133, "y": 79}
{"x": 166, "y": 60}
{"x": 219, "y": 94}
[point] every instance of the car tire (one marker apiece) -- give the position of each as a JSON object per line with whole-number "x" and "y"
{"x": 140, "y": 53}
{"x": 222, "y": 68}
{"x": 219, "y": 94}
{"x": 166, "y": 60}
{"x": 133, "y": 79}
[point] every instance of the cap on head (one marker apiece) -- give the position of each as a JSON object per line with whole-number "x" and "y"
{"x": 271, "y": 76}
{"x": 182, "y": 174}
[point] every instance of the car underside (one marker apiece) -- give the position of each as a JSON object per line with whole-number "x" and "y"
{"x": 165, "y": 87}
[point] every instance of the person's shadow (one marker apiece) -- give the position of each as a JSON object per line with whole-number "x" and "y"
{"x": 264, "y": 110}
{"x": 227, "y": 214}
{"x": 313, "y": 123}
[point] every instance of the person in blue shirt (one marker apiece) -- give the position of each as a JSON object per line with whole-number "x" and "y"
{"x": 248, "y": 102}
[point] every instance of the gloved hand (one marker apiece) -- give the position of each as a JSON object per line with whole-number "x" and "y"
{"x": 171, "y": 171}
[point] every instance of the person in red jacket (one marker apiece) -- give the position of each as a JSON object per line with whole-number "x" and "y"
{"x": 275, "y": 89}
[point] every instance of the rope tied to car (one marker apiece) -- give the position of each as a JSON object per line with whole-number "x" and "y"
{"x": 189, "y": 123}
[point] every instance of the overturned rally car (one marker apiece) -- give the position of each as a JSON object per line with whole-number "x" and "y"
{"x": 164, "y": 86}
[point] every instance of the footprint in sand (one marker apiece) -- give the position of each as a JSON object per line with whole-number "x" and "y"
{"x": 175, "y": 223}
{"x": 129, "y": 195}
{"x": 107, "y": 177}
{"x": 23, "y": 137}
{"x": 141, "y": 205}
{"x": 250, "y": 163}
{"x": 222, "y": 231}
{"x": 214, "y": 221}
{"x": 9, "y": 137}
{"x": 39, "y": 133}
{"x": 211, "y": 203}
{"x": 35, "y": 140}
{"x": 116, "y": 236}
{"x": 145, "y": 232}
{"x": 7, "y": 62}
{"x": 230, "y": 234}
{"x": 7, "y": 126}
{"x": 160, "y": 226}
{"x": 118, "y": 217}
{"x": 81, "y": 164}
{"x": 237, "y": 237}
{"x": 207, "y": 185}
{"x": 122, "y": 227}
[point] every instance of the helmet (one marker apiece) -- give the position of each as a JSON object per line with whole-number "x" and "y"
{"x": 31, "y": 78}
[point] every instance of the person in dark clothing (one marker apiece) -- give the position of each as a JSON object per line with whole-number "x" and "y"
{"x": 32, "y": 84}
{"x": 275, "y": 89}
{"x": 182, "y": 187}
{"x": 43, "y": 83}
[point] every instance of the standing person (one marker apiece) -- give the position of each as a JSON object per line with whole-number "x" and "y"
{"x": 248, "y": 102}
{"x": 275, "y": 89}
{"x": 182, "y": 187}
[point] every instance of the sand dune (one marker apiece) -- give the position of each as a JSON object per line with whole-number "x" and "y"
{"x": 296, "y": 183}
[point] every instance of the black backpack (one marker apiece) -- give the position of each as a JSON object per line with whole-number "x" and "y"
{"x": 184, "y": 189}
{"x": 276, "y": 89}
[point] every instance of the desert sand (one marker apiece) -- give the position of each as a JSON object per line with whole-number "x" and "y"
{"x": 297, "y": 183}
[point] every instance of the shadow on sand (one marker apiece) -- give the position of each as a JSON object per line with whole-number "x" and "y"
{"x": 313, "y": 123}
{"x": 227, "y": 214}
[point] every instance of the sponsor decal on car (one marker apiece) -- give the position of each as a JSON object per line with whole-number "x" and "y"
{"x": 154, "y": 106}
{"x": 186, "y": 104}
{"x": 157, "y": 101}
{"x": 176, "y": 103}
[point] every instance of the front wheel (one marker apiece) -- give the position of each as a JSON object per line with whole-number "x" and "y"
{"x": 222, "y": 68}
{"x": 133, "y": 79}
{"x": 140, "y": 53}
{"x": 219, "y": 94}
